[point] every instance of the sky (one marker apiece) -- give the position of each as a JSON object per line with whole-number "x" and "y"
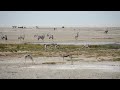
{"x": 60, "y": 18}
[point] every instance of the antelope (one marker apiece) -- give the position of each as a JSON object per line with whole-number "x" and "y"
{"x": 29, "y": 57}
{"x": 76, "y": 37}
{"x": 106, "y": 31}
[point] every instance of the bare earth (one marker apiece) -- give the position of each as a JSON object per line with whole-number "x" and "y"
{"x": 14, "y": 67}
{"x": 82, "y": 68}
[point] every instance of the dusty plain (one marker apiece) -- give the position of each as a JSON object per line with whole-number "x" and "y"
{"x": 95, "y": 62}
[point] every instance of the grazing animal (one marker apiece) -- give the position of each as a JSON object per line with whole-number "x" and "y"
{"x": 29, "y": 57}
{"x": 54, "y": 29}
{"x": 37, "y": 27}
{"x": 42, "y": 37}
{"x": 4, "y": 37}
{"x": 21, "y": 27}
{"x": 51, "y": 37}
{"x": 77, "y": 35}
{"x": 86, "y": 46}
{"x": 14, "y": 26}
{"x": 55, "y": 46}
{"x": 35, "y": 35}
{"x": 67, "y": 55}
{"x": 106, "y": 31}
{"x": 21, "y": 37}
{"x": 47, "y": 35}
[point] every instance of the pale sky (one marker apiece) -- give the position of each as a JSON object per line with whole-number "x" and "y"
{"x": 60, "y": 18}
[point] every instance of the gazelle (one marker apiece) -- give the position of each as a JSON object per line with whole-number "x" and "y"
{"x": 29, "y": 57}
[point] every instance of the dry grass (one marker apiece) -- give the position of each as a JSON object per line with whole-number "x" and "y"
{"x": 116, "y": 59}
{"x": 38, "y": 50}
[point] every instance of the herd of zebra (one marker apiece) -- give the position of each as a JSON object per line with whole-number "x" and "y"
{"x": 22, "y": 37}
{"x": 42, "y": 37}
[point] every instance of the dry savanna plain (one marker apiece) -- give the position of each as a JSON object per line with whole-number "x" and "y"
{"x": 71, "y": 53}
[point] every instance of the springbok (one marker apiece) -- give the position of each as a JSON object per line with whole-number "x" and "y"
{"x": 76, "y": 37}
{"x": 106, "y": 31}
{"x": 29, "y": 57}
{"x": 68, "y": 55}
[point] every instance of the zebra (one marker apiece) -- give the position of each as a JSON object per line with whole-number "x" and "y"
{"x": 14, "y": 26}
{"x": 4, "y": 37}
{"x": 21, "y": 37}
{"x": 51, "y": 45}
{"x": 50, "y": 36}
{"x": 40, "y": 37}
{"x": 86, "y": 46}
{"x": 29, "y": 57}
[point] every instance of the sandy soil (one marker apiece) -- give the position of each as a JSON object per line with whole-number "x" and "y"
{"x": 82, "y": 68}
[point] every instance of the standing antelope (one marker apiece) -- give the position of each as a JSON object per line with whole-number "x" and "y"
{"x": 76, "y": 37}
{"x": 68, "y": 55}
{"x": 106, "y": 31}
{"x": 29, "y": 57}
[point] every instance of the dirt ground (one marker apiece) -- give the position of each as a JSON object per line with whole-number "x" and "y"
{"x": 44, "y": 68}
